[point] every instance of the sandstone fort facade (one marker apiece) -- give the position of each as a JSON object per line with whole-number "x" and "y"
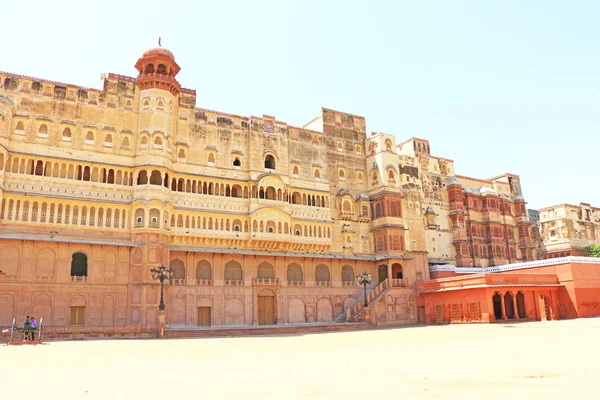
{"x": 262, "y": 222}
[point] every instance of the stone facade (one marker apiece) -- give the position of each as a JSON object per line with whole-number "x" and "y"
{"x": 557, "y": 288}
{"x": 261, "y": 221}
{"x": 566, "y": 230}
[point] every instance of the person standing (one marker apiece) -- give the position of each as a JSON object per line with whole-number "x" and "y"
{"x": 27, "y": 327}
{"x": 33, "y": 328}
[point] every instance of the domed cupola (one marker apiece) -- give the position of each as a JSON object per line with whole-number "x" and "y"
{"x": 157, "y": 70}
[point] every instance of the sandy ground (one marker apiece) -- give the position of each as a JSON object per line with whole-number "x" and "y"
{"x": 552, "y": 360}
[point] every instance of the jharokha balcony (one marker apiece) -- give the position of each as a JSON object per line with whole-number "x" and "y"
{"x": 234, "y": 282}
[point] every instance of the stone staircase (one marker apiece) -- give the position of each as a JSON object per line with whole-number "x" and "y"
{"x": 262, "y": 330}
{"x": 357, "y": 311}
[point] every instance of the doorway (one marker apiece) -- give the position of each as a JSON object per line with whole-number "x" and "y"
{"x": 266, "y": 310}
{"x": 204, "y": 316}
{"x": 382, "y": 273}
{"x": 497, "y": 300}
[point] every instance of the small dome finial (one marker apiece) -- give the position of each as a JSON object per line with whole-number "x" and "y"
{"x": 159, "y": 42}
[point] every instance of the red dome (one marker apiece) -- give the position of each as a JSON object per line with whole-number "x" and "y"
{"x": 158, "y": 51}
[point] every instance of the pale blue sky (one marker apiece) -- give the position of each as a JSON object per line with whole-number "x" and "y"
{"x": 498, "y": 87}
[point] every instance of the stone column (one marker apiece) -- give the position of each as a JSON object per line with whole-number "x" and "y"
{"x": 515, "y": 310}
{"x": 503, "y": 306}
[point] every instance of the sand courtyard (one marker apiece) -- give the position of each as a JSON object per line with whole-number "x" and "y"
{"x": 552, "y": 360}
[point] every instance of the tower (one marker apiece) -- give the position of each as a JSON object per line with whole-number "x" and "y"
{"x": 157, "y": 110}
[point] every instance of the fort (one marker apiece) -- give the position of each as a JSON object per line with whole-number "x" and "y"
{"x": 262, "y": 222}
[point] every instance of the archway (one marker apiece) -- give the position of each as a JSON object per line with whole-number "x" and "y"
{"x": 266, "y": 307}
{"x": 324, "y": 310}
{"x": 7, "y": 310}
{"x": 509, "y": 305}
{"x": 204, "y": 312}
{"x": 397, "y": 272}
{"x": 296, "y": 311}
{"x": 521, "y": 305}
{"x": 497, "y": 301}
{"x": 382, "y": 273}
{"x": 234, "y": 312}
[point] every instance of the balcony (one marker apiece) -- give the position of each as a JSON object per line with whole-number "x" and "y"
{"x": 398, "y": 283}
{"x": 234, "y": 282}
{"x": 349, "y": 283}
{"x": 295, "y": 283}
{"x": 266, "y": 281}
{"x": 322, "y": 283}
{"x": 178, "y": 282}
{"x": 78, "y": 279}
{"x": 204, "y": 282}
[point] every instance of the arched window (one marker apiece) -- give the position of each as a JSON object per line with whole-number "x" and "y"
{"x": 388, "y": 145}
{"x": 265, "y": 270}
{"x": 108, "y": 141}
{"x": 125, "y": 144}
{"x": 347, "y": 206}
{"x": 347, "y": 274}
{"x": 322, "y": 273}
{"x": 294, "y": 273}
{"x": 79, "y": 266}
{"x": 203, "y": 271}
{"x": 270, "y": 161}
{"x": 391, "y": 175}
{"x": 157, "y": 141}
{"x": 342, "y": 174}
{"x": 89, "y": 137}
{"x": 359, "y": 176}
{"x": 161, "y": 69}
{"x": 211, "y": 158}
{"x": 178, "y": 268}
{"x": 155, "y": 178}
{"x": 144, "y": 141}
{"x": 270, "y": 193}
{"x": 66, "y": 136}
{"x": 317, "y": 173}
{"x": 149, "y": 69}
{"x": 237, "y": 162}
{"x": 233, "y": 271}
{"x": 181, "y": 154}
{"x": 20, "y": 126}
{"x": 160, "y": 105}
{"x": 295, "y": 170}
{"x": 146, "y": 104}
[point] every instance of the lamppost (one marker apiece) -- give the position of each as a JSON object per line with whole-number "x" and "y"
{"x": 161, "y": 274}
{"x": 364, "y": 279}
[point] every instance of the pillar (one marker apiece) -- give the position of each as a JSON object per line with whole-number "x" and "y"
{"x": 503, "y": 306}
{"x": 515, "y": 310}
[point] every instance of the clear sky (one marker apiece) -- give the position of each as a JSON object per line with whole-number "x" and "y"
{"x": 508, "y": 86}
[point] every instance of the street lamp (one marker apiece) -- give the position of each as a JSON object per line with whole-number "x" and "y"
{"x": 161, "y": 274}
{"x": 364, "y": 279}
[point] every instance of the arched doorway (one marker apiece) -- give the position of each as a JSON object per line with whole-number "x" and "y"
{"x": 497, "y": 300}
{"x": 382, "y": 273}
{"x": 397, "y": 271}
{"x": 266, "y": 307}
{"x": 509, "y": 305}
{"x": 521, "y": 305}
